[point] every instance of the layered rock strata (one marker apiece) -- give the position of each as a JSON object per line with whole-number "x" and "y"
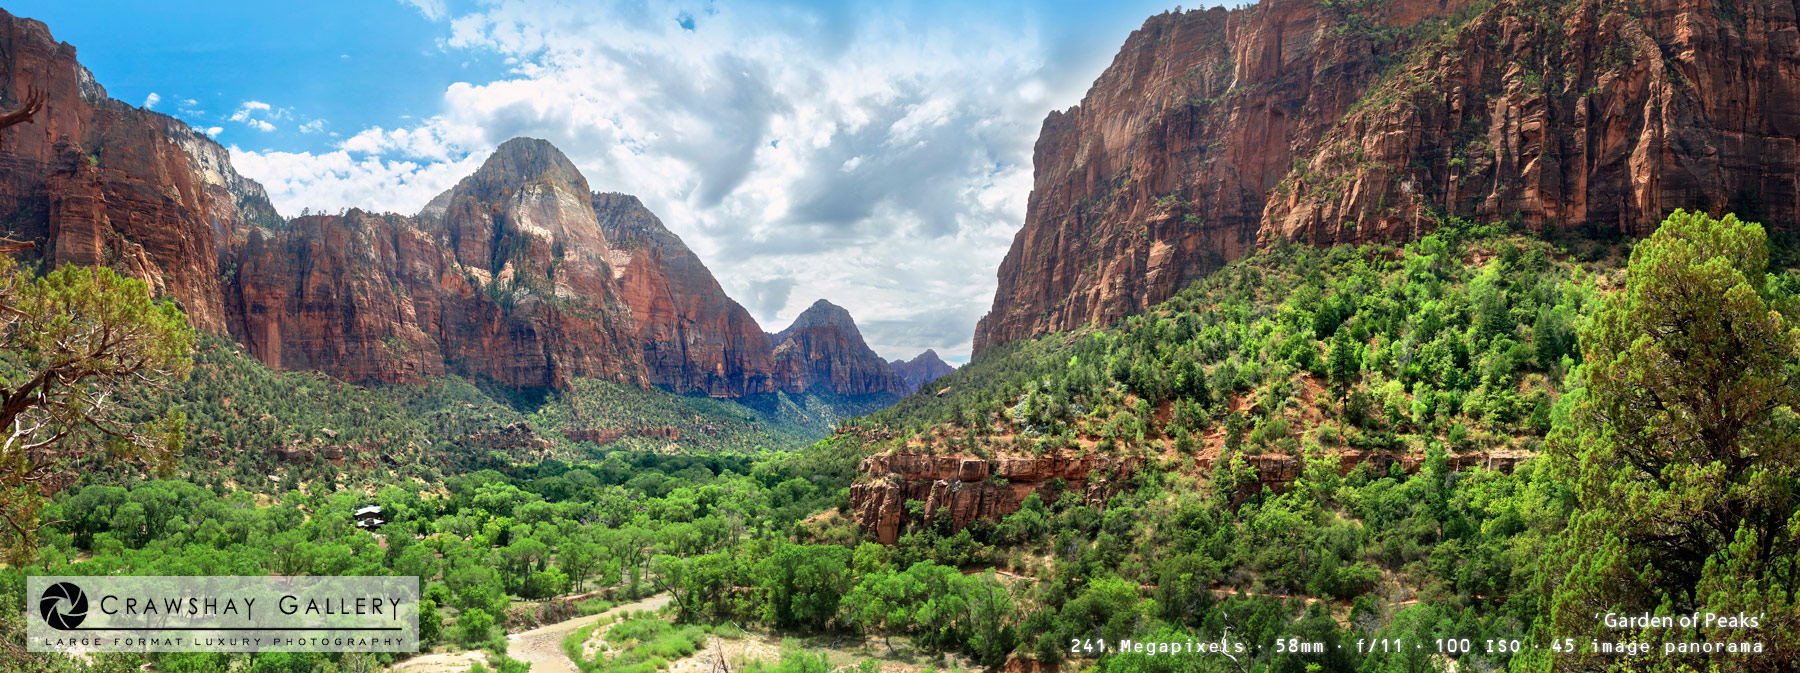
{"x": 960, "y": 489}
{"x": 957, "y": 490}
{"x": 823, "y": 348}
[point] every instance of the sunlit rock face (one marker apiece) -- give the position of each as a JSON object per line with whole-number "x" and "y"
{"x": 693, "y": 337}
{"x": 94, "y": 181}
{"x": 509, "y": 281}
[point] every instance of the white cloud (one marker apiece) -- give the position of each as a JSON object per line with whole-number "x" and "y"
{"x": 151, "y": 100}
{"x": 334, "y": 180}
{"x": 248, "y": 108}
{"x": 248, "y": 113}
{"x": 214, "y": 131}
{"x": 830, "y": 152}
{"x": 432, "y": 9}
{"x": 313, "y": 126}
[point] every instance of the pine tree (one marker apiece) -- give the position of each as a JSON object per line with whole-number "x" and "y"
{"x": 1685, "y": 451}
{"x": 75, "y": 346}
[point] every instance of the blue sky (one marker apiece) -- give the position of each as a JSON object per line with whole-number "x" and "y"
{"x": 875, "y": 154}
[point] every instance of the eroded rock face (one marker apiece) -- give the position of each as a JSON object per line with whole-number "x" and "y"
{"x": 1216, "y": 131}
{"x": 511, "y": 283}
{"x": 358, "y": 296}
{"x": 1602, "y": 117}
{"x": 823, "y": 350}
{"x": 95, "y": 181}
{"x": 961, "y": 489}
{"x": 693, "y": 337}
{"x": 922, "y": 369}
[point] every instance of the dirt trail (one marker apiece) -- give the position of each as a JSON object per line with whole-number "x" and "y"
{"x": 542, "y": 646}
{"x": 448, "y": 662}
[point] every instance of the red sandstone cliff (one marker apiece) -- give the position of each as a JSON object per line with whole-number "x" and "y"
{"x": 95, "y": 181}
{"x": 693, "y": 337}
{"x": 519, "y": 273}
{"x": 961, "y": 489}
{"x": 1214, "y": 131}
{"x": 823, "y": 351}
{"x": 510, "y": 281}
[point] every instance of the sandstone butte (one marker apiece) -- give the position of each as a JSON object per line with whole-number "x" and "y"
{"x": 519, "y": 273}
{"x": 1215, "y": 131}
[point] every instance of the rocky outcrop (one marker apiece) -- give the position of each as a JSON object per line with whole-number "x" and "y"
{"x": 1277, "y": 471}
{"x": 1216, "y": 131}
{"x": 692, "y": 336}
{"x": 960, "y": 489}
{"x": 608, "y": 436}
{"x": 922, "y": 369}
{"x": 823, "y": 351}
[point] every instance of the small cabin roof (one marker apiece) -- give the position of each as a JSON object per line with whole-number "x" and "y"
{"x": 371, "y": 509}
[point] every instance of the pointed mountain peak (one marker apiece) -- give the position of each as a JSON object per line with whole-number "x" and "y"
{"x": 520, "y": 161}
{"x": 930, "y": 355}
{"x": 824, "y": 313}
{"x": 821, "y": 314}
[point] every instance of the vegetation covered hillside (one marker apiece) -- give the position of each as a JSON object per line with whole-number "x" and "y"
{"x": 1646, "y": 410}
{"x": 1463, "y": 339}
{"x": 249, "y": 428}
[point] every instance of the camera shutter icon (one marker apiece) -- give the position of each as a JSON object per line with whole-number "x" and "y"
{"x": 63, "y": 606}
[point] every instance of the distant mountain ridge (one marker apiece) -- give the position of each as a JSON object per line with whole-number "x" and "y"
{"x": 922, "y": 369}
{"x": 520, "y": 273}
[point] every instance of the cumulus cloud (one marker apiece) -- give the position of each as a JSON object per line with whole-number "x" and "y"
{"x": 248, "y": 108}
{"x": 151, "y": 100}
{"x": 256, "y": 114}
{"x": 334, "y": 180}
{"x": 803, "y": 152}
